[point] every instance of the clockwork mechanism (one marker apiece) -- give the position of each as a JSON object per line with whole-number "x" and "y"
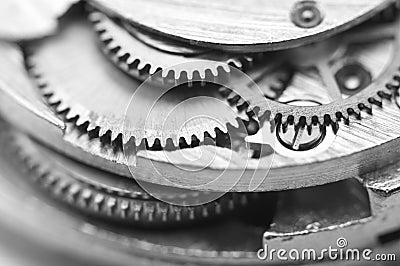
{"x": 200, "y": 132}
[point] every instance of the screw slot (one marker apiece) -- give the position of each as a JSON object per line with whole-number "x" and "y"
{"x": 306, "y": 14}
{"x": 298, "y": 139}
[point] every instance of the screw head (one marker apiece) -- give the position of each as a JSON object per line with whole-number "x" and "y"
{"x": 306, "y": 14}
{"x": 352, "y": 78}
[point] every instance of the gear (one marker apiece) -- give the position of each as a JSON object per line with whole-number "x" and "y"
{"x": 141, "y": 55}
{"x": 108, "y": 196}
{"x": 98, "y": 99}
{"x": 344, "y": 76}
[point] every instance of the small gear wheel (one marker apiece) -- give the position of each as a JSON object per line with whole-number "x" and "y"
{"x": 89, "y": 91}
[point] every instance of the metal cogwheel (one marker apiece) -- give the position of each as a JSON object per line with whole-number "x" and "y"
{"x": 97, "y": 101}
{"x": 345, "y": 75}
{"x": 141, "y": 54}
{"x": 110, "y": 197}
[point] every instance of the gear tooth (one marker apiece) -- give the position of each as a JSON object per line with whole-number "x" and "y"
{"x": 204, "y": 211}
{"x": 231, "y": 95}
{"x": 98, "y": 202}
{"x": 214, "y": 71}
{"x": 209, "y": 76}
{"x": 102, "y": 131}
{"x": 224, "y": 69}
{"x": 45, "y": 91}
{"x": 309, "y": 120}
{"x": 141, "y": 65}
{"x": 138, "y": 141}
{"x": 125, "y": 207}
{"x": 73, "y": 193}
{"x": 91, "y": 127}
{"x": 212, "y": 132}
{"x": 153, "y": 69}
{"x": 166, "y": 73}
{"x": 384, "y": 95}
{"x": 187, "y": 137}
{"x": 164, "y": 213}
{"x": 248, "y": 59}
{"x": 202, "y": 74}
{"x": 69, "y": 115}
{"x": 94, "y": 16}
{"x": 175, "y": 140}
{"x": 49, "y": 181}
{"x": 240, "y": 102}
{"x": 80, "y": 121}
{"x": 285, "y": 119}
{"x": 41, "y": 82}
{"x": 61, "y": 107}
{"x": 62, "y": 188}
{"x": 164, "y": 140}
{"x": 86, "y": 196}
{"x": 151, "y": 140}
{"x": 192, "y": 214}
{"x": 297, "y": 120}
{"x": 374, "y": 101}
{"x": 178, "y": 213}
{"x": 100, "y": 31}
{"x": 52, "y": 98}
{"x": 111, "y": 45}
{"x": 149, "y": 209}
{"x": 354, "y": 113}
{"x": 366, "y": 107}
{"x": 137, "y": 210}
{"x": 126, "y": 138}
{"x": 189, "y": 75}
{"x": 180, "y": 75}
{"x": 114, "y": 135}
{"x": 110, "y": 205}
{"x": 235, "y": 62}
{"x": 320, "y": 118}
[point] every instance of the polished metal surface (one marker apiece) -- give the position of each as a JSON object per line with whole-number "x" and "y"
{"x": 149, "y": 133}
{"x": 239, "y": 26}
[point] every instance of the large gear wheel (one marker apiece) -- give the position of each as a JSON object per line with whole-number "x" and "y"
{"x": 344, "y": 76}
{"x": 99, "y": 99}
{"x": 141, "y": 55}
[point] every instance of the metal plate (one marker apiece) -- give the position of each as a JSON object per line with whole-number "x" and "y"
{"x": 243, "y": 26}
